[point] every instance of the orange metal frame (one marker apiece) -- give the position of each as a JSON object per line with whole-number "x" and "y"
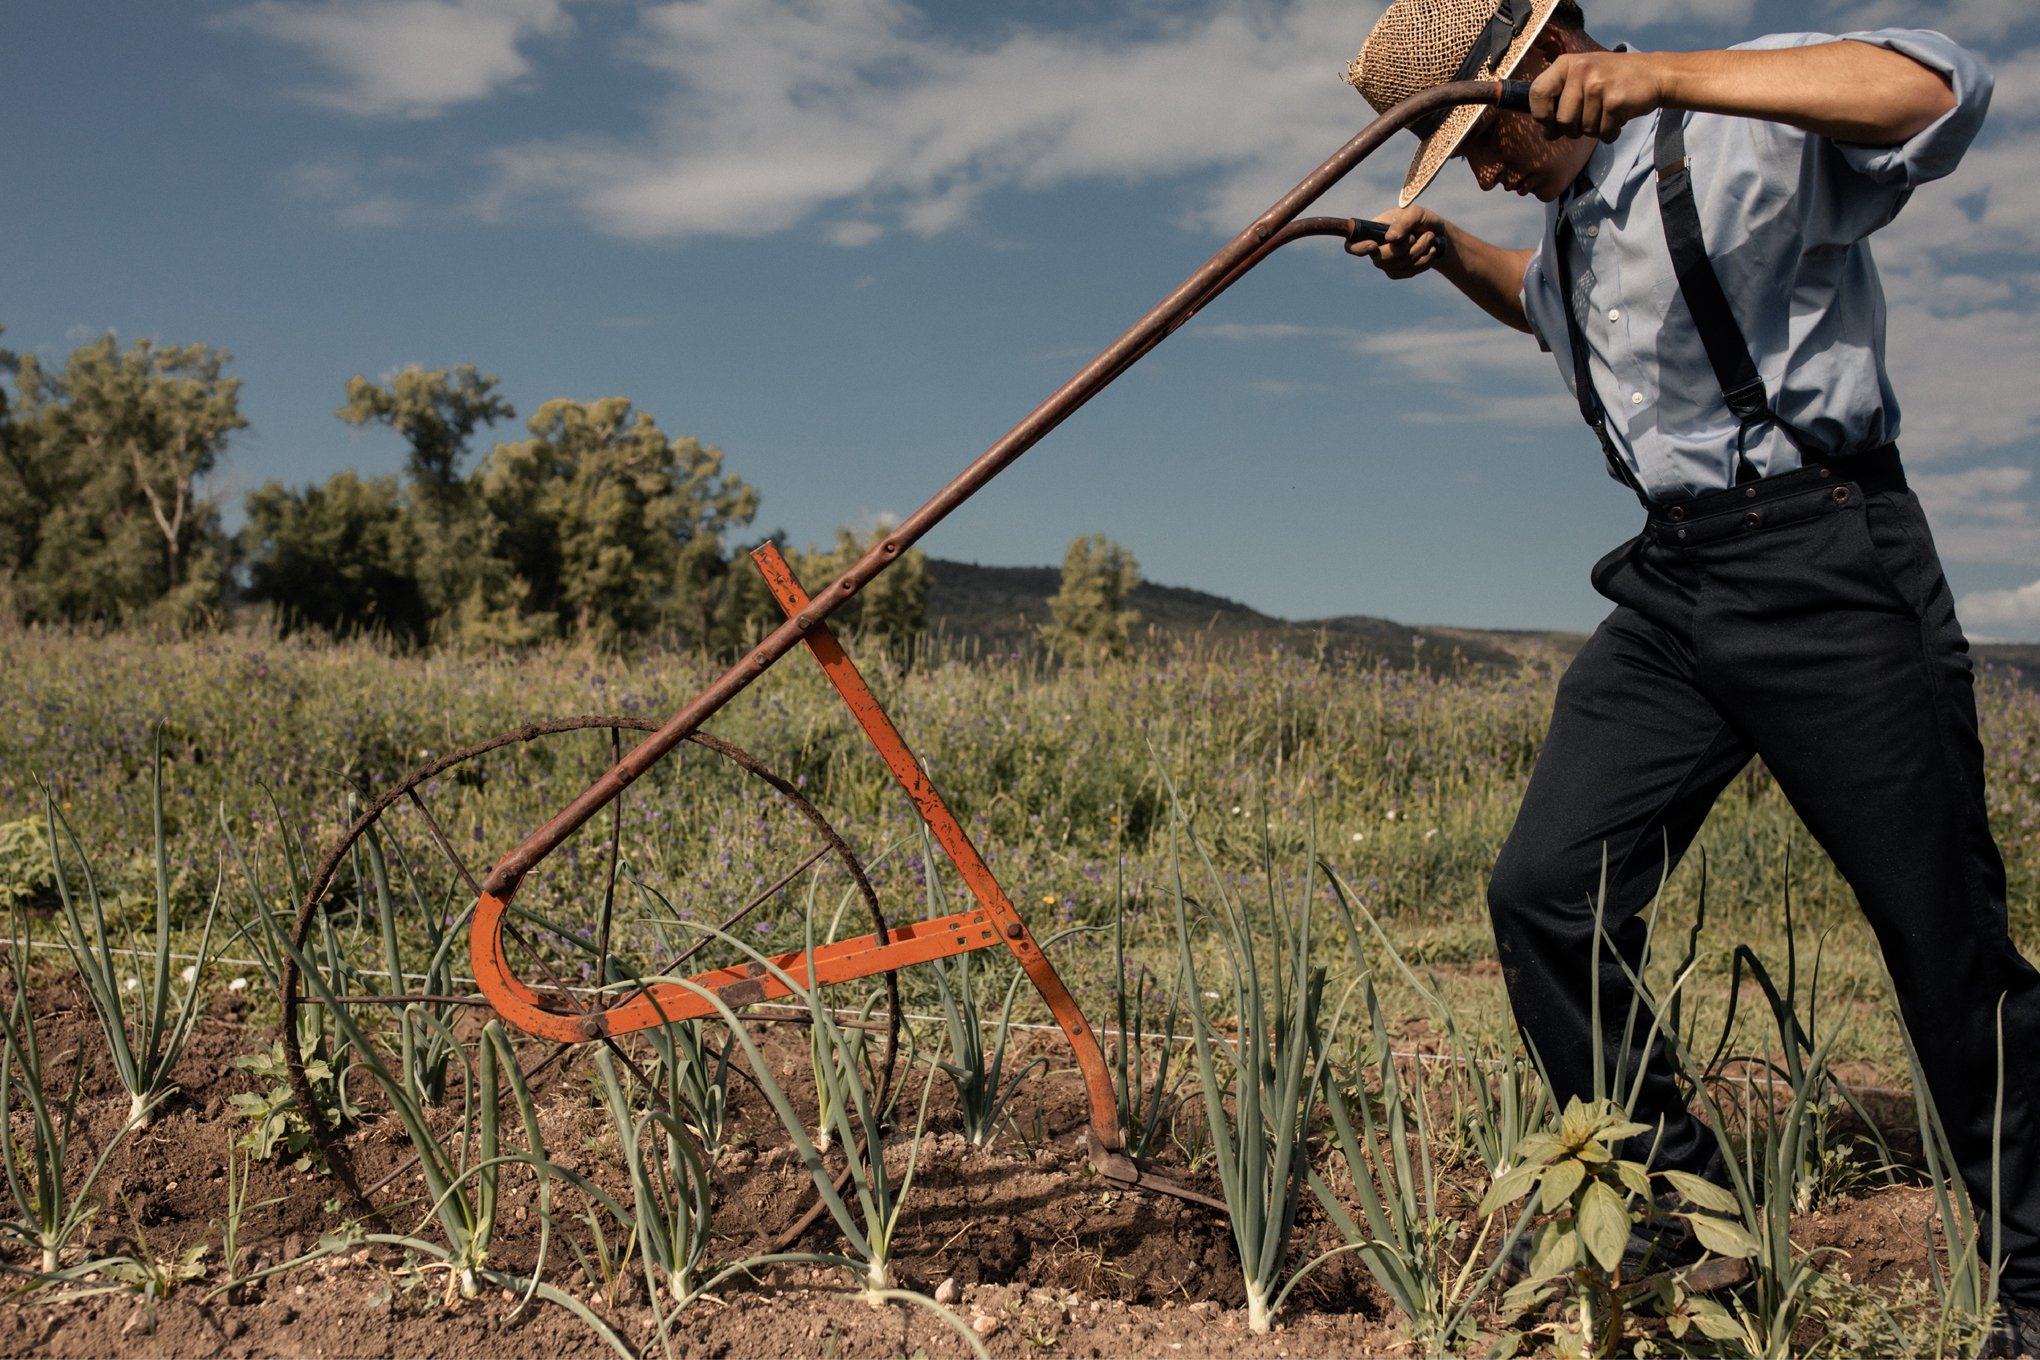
{"x": 996, "y": 921}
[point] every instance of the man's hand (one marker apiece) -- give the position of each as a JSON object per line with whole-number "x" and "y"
{"x": 1416, "y": 242}
{"x": 1592, "y": 94}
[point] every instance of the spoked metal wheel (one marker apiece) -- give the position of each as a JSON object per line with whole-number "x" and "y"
{"x": 709, "y": 848}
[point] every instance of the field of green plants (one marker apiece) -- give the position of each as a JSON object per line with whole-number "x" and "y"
{"x": 1261, "y": 875}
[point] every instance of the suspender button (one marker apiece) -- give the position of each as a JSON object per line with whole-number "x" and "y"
{"x": 1841, "y": 495}
{"x": 1752, "y": 520}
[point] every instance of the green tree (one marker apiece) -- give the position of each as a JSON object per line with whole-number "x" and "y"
{"x": 605, "y": 526}
{"x": 892, "y": 609}
{"x": 19, "y": 515}
{"x": 436, "y": 412}
{"x": 1088, "y": 613}
{"x": 342, "y": 557}
{"x": 105, "y": 463}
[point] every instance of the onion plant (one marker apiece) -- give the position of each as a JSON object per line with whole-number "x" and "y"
{"x": 144, "y": 1035}
{"x": 49, "y": 1208}
{"x": 262, "y": 933}
{"x": 978, "y": 1073}
{"x": 1147, "y": 1101}
{"x": 669, "y": 1185}
{"x": 425, "y": 1047}
{"x": 1770, "y": 1162}
{"x": 983, "y": 1091}
{"x": 1277, "y": 1063}
{"x": 696, "y": 1074}
{"x": 824, "y": 1053}
{"x": 1965, "y": 1277}
{"x": 238, "y": 1171}
{"x": 1495, "y": 1117}
{"x": 1408, "y": 1235}
{"x": 276, "y": 1122}
{"x": 464, "y": 1181}
{"x": 855, "y": 1120}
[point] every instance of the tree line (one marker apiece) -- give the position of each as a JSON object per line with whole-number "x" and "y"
{"x": 597, "y": 527}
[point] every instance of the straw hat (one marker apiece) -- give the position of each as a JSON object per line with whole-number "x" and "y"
{"x": 1421, "y": 43}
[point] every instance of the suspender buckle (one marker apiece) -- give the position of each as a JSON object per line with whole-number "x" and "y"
{"x": 1749, "y": 402}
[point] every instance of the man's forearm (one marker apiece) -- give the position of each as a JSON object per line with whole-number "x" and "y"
{"x": 1490, "y": 275}
{"x": 1848, "y": 91}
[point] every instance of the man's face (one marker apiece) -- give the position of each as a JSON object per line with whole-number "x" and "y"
{"x": 1510, "y": 150}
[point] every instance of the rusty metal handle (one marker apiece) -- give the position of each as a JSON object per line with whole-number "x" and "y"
{"x": 1245, "y": 250}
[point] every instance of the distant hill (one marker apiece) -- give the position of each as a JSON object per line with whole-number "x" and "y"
{"x": 2023, "y": 657}
{"x": 1005, "y": 607}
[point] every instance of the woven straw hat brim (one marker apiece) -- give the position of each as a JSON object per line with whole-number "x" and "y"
{"x": 1442, "y": 144}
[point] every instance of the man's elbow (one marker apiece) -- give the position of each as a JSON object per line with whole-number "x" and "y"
{"x": 1933, "y": 98}
{"x": 1912, "y": 96}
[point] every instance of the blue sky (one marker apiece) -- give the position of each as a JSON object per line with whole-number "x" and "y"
{"x": 852, "y": 241}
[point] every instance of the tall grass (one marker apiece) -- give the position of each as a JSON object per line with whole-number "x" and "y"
{"x": 1412, "y": 777}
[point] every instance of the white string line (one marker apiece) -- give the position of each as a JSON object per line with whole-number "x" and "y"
{"x": 847, "y": 1014}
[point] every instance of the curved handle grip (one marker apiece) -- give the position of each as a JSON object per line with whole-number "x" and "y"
{"x": 1513, "y": 95}
{"x": 1360, "y": 229}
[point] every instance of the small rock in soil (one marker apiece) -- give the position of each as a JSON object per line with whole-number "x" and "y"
{"x": 984, "y": 1324}
{"x": 946, "y": 1291}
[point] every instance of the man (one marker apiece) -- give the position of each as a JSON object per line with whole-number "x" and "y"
{"x": 1704, "y": 282}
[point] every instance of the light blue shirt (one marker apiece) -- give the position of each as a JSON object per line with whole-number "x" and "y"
{"x": 1785, "y": 215}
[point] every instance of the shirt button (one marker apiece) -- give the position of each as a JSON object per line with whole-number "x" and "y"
{"x": 1636, "y": 398}
{"x": 1593, "y": 231}
{"x": 1614, "y": 313}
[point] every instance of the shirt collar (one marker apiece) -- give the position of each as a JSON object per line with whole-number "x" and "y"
{"x": 1617, "y": 169}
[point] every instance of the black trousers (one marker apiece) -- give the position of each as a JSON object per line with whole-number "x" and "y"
{"x": 1804, "y": 619}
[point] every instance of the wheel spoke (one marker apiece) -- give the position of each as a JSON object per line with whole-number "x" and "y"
{"x": 445, "y": 845}
{"x": 615, "y": 849}
{"x": 737, "y": 917}
{"x": 510, "y": 929}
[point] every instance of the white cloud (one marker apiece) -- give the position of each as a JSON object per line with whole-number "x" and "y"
{"x": 1255, "y": 332}
{"x": 1979, "y": 514}
{"x": 853, "y": 233}
{"x": 778, "y": 108}
{"x": 2015, "y": 611}
{"x": 858, "y": 118}
{"x": 2016, "y": 95}
{"x": 1613, "y": 19}
{"x": 1486, "y": 375}
{"x": 406, "y": 58}
{"x": 1966, "y": 21}
{"x": 1463, "y": 354}
{"x": 339, "y": 187}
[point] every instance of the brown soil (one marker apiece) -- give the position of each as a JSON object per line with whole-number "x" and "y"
{"x": 1045, "y": 1258}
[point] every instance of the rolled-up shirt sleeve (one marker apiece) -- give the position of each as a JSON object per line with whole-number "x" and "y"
{"x": 1937, "y": 149}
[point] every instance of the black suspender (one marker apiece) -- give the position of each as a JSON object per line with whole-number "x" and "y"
{"x": 1591, "y": 409}
{"x": 1742, "y": 387}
